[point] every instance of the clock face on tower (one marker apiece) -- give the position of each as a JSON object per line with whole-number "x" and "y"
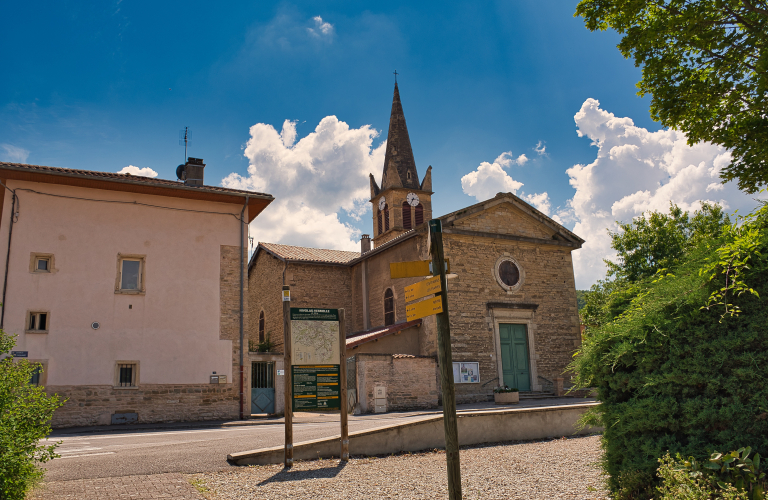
{"x": 382, "y": 203}
{"x": 412, "y": 199}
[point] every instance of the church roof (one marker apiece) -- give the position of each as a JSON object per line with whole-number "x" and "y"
{"x": 305, "y": 254}
{"x": 360, "y": 338}
{"x": 399, "y": 164}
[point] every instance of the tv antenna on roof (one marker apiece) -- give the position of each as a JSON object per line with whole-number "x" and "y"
{"x": 184, "y": 140}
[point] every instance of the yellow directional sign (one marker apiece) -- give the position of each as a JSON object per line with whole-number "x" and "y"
{"x": 414, "y": 269}
{"x": 422, "y": 289}
{"x": 424, "y": 308}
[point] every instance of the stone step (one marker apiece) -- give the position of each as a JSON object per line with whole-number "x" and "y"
{"x": 537, "y": 395}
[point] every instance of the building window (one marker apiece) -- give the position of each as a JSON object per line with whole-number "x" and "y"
{"x": 130, "y": 274}
{"x": 261, "y": 327}
{"x": 35, "y": 378}
{"x": 126, "y": 374}
{"x": 419, "y": 214}
{"x": 37, "y": 322}
{"x": 389, "y": 307}
{"x": 41, "y": 263}
{"x": 509, "y": 274}
{"x": 406, "y": 216}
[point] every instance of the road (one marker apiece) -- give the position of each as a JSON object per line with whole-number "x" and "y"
{"x": 114, "y": 453}
{"x": 124, "y": 453}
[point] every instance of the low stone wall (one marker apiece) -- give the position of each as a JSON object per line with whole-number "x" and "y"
{"x": 95, "y": 404}
{"x": 428, "y": 433}
{"x": 411, "y": 381}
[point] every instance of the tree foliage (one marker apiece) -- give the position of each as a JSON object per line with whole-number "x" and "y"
{"x": 705, "y": 66}
{"x": 676, "y": 372}
{"x": 25, "y": 415}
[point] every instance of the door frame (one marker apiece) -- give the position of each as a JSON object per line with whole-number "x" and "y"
{"x": 517, "y": 317}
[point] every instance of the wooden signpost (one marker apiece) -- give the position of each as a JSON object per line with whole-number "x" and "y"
{"x": 437, "y": 305}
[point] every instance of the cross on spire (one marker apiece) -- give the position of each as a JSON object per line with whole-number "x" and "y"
{"x": 395, "y": 73}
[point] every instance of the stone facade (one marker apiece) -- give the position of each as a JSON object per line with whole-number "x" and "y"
{"x": 265, "y": 282}
{"x": 95, "y": 405}
{"x": 314, "y": 285}
{"x": 410, "y": 381}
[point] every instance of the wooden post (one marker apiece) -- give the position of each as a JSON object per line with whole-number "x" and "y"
{"x": 288, "y": 381}
{"x": 445, "y": 361}
{"x": 343, "y": 388}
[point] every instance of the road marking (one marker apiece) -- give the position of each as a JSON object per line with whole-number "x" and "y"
{"x": 86, "y": 455}
{"x": 78, "y": 450}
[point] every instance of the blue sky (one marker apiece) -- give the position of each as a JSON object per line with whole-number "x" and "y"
{"x": 101, "y": 86}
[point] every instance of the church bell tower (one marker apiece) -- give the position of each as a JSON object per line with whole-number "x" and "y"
{"x": 402, "y": 202}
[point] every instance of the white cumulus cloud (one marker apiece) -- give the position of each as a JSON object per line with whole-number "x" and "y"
{"x": 636, "y": 171}
{"x": 321, "y": 27}
{"x": 142, "y": 172}
{"x": 312, "y": 180}
{"x": 491, "y": 178}
{"x": 541, "y": 149}
{"x": 13, "y": 153}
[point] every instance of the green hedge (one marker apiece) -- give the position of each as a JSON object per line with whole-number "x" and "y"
{"x": 25, "y": 416}
{"x": 675, "y": 378}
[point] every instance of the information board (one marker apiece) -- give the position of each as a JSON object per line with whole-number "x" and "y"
{"x": 316, "y": 387}
{"x": 314, "y": 336}
{"x": 466, "y": 373}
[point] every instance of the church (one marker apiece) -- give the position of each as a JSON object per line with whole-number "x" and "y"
{"x": 512, "y": 304}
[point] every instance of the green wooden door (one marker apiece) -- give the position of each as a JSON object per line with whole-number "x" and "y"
{"x": 514, "y": 356}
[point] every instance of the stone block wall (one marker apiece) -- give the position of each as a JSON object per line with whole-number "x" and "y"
{"x": 95, "y": 405}
{"x": 411, "y": 382}
{"x": 323, "y": 286}
{"x": 265, "y": 285}
{"x": 549, "y": 284}
{"x": 229, "y": 303}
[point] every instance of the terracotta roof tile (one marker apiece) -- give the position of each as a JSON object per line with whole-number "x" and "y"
{"x": 112, "y": 176}
{"x": 291, "y": 252}
{"x": 359, "y": 338}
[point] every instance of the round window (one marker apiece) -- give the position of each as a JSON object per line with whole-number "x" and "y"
{"x": 509, "y": 274}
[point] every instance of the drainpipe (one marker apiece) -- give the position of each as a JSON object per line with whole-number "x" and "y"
{"x": 7, "y": 257}
{"x": 242, "y": 331}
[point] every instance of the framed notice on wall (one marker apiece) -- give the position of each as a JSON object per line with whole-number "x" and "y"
{"x": 466, "y": 372}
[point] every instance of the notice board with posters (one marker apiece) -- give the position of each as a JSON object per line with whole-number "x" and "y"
{"x": 315, "y": 355}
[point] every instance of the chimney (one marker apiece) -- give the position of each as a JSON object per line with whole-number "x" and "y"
{"x": 365, "y": 244}
{"x": 192, "y": 172}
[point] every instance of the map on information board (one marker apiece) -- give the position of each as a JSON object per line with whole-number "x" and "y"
{"x": 314, "y": 336}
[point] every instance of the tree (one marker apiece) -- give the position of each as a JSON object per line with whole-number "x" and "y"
{"x": 675, "y": 370}
{"x": 644, "y": 246}
{"x": 25, "y": 416}
{"x": 705, "y": 66}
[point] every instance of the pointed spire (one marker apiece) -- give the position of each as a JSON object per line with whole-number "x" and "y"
{"x": 399, "y": 165}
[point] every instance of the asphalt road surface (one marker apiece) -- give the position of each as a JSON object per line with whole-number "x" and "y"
{"x": 128, "y": 453}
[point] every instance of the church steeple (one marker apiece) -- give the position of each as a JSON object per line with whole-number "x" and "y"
{"x": 399, "y": 165}
{"x": 402, "y": 202}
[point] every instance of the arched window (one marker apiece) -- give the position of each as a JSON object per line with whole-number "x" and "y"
{"x": 261, "y": 327}
{"x": 378, "y": 215}
{"x": 386, "y": 217}
{"x": 419, "y": 214}
{"x": 406, "y": 216}
{"x": 389, "y": 307}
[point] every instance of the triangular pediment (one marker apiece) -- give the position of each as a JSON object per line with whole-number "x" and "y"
{"x": 507, "y": 214}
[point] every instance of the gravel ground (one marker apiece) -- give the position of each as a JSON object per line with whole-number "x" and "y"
{"x": 562, "y": 468}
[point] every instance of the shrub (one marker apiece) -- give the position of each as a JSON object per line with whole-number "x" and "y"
{"x": 25, "y": 415}
{"x": 680, "y": 364}
{"x": 680, "y": 484}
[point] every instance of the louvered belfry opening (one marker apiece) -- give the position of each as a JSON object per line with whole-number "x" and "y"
{"x": 386, "y": 217}
{"x": 407, "y": 216}
{"x": 378, "y": 214}
{"x": 419, "y": 214}
{"x": 389, "y": 307}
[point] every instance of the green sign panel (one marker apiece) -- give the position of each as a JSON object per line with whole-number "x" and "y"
{"x": 314, "y": 314}
{"x": 316, "y": 387}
